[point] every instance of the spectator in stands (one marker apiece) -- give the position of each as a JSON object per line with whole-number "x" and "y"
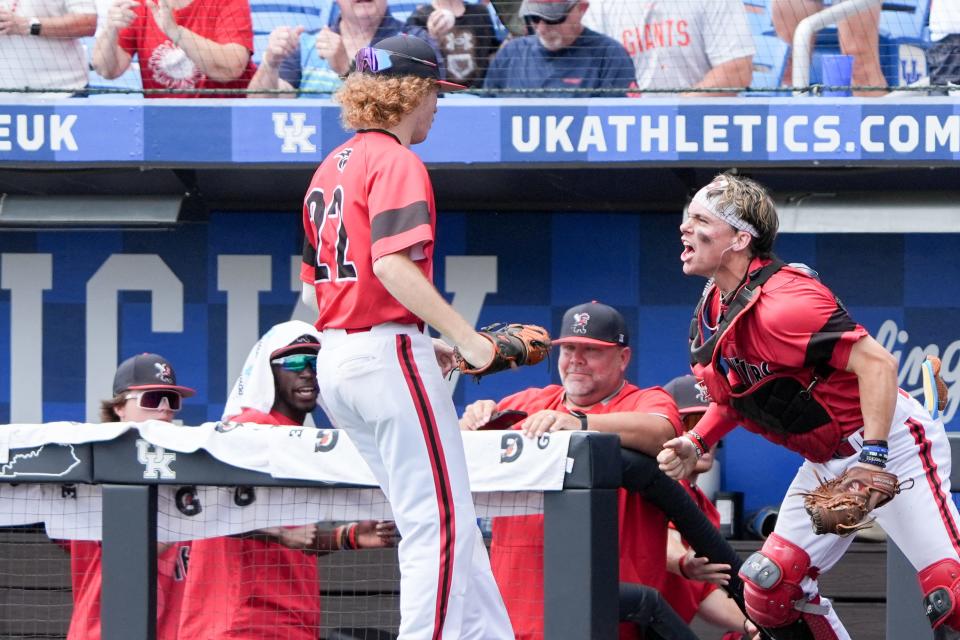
{"x": 465, "y": 35}
{"x": 681, "y": 44}
{"x": 691, "y": 586}
{"x": 943, "y": 58}
{"x": 264, "y": 585}
{"x": 561, "y": 54}
{"x": 184, "y": 46}
{"x": 39, "y": 45}
{"x": 144, "y": 388}
{"x": 594, "y": 394}
{"x": 315, "y": 62}
{"x": 859, "y": 37}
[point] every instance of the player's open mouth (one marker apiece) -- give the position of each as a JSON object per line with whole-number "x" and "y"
{"x": 688, "y": 251}
{"x": 306, "y": 392}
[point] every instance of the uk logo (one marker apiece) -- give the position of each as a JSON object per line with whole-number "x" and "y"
{"x": 155, "y": 460}
{"x": 293, "y": 129}
{"x": 580, "y": 321}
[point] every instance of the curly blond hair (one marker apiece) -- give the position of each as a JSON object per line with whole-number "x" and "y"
{"x": 380, "y": 102}
{"x": 753, "y": 204}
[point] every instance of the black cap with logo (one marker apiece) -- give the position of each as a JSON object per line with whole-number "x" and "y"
{"x": 147, "y": 371}
{"x": 402, "y": 55}
{"x": 593, "y": 323}
{"x": 554, "y": 10}
{"x": 687, "y": 394}
{"x": 304, "y": 344}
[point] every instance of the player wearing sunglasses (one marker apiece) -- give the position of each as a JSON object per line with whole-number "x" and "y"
{"x": 264, "y": 585}
{"x": 144, "y": 388}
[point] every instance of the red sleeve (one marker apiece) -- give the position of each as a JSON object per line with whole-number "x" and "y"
{"x": 234, "y": 24}
{"x": 806, "y": 326}
{"x": 717, "y": 422}
{"x": 131, "y": 37}
{"x": 530, "y": 400}
{"x": 400, "y": 204}
{"x": 657, "y": 401}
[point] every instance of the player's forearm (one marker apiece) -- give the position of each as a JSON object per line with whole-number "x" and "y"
{"x": 642, "y": 432}
{"x": 717, "y": 422}
{"x": 675, "y": 551}
{"x": 72, "y": 25}
{"x": 219, "y": 62}
{"x": 267, "y": 78}
{"x": 403, "y": 279}
{"x": 876, "y": 371}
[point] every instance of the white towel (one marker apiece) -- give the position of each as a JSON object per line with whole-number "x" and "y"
{"x": 254, "y": 388}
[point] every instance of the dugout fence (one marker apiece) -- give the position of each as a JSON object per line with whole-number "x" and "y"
{"x": 124, "y": 487}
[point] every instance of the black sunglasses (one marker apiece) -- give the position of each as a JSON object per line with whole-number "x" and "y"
{"x": 535, "y": 20}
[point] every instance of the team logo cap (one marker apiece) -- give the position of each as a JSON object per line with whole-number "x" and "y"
{"x": 303, "y": 344}
{"x": 147, "y": 371}
{"x": 593, "y": 323}
{"x": 402, "y": 55}
{"x": 688, "y": 394}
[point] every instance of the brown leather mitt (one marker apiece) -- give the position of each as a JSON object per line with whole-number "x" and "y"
{"x": 514, "y": 345}
{"x": 841, "y": 506}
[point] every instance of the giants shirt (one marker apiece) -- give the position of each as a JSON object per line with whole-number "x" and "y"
{"x": 251, "y": 589}
{"x": 516, "y": 553}
{"x": 164, "y": 65}
{"x": 674, "y": 43}
{"x": 371, "y": 197}
{"x": 795, "y": 327}
{"x": 85, "y": 579}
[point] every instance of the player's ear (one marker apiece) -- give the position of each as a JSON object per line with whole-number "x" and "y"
{"x": 743, "y": 239}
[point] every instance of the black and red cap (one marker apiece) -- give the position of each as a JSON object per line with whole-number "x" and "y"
{"x": 147, "y": 371}
{"x": 593, "y": 323}
{"x": 402, "y": 55}
{"x": 304, "y": 344}
{"x": 687, "y": 394}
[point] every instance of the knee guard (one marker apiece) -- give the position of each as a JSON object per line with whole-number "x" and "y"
{"x": 772, "y": 592}
{"x": 940, "y": 585}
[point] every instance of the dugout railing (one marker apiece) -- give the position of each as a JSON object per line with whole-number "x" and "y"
{"x": 580, "y": 541}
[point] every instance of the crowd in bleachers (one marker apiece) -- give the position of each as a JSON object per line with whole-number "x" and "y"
{"x": 551, "y": 48}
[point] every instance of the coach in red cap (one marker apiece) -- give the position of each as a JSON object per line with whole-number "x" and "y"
{"x": 593, "y": 395}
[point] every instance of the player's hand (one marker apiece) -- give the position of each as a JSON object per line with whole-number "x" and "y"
{"x": 477, "y": 414}
{"x": 283, "y": 42}
{"x": 678, "y": 457}
{"x": 694, "y": 567}
{"x": 477, "y": 350}
{"x": 121, "y": 15}
{"x": 440, "y": 23}
{"x": 751, "y": 630}
{"x": 376, "y": 534}
{"x": 546, "y": 421}
{"x": 12, "y": 24}
{"x": 444, "y": 353}
{"x": 302, "y": 537}
{"x": 330, "y": 48}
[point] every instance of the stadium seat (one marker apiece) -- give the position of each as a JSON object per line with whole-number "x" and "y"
{"x": 758, "y": 13}
{"x": 311, "y": 14}
{"x": 770, "y": 57}
{"x": 905, "y": 21}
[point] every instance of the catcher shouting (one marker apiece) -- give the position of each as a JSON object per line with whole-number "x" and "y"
{"x": 777, "y": 352}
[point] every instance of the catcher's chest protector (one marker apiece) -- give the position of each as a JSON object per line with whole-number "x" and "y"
{"x": 783, "y": 405}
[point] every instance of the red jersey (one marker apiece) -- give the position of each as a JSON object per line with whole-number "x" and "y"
{"x": 242, "y": 588}
{"x": 685, "y": 595}
{"x": 516, "y": 552}
{"x": 85, "y": 578}
{"x": 163, "y": 65}
{"x": 796, "y": 327}
{"x": 371, "y": 197}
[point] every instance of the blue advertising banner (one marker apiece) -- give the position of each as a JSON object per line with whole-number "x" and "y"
{"x": 486, "y": 131}
{"x": 74, "y": 303}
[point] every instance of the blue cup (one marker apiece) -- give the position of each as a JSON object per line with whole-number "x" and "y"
{"x": 836, "y": 71}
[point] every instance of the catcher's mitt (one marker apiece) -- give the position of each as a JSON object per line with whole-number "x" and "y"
{"x": 841, "y": 505}
{"x": 514, "y": 345}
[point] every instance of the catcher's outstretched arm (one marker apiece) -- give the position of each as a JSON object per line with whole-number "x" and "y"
{"x": 876, "y": 371}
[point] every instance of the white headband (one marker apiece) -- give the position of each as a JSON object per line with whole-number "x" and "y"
{"x": 729, "y": 214}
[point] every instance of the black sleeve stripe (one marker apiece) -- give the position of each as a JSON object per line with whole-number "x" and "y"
{"x": 309, "y": 252}
{"x": 396, "y": 221}
{"x": 822, "y": 343}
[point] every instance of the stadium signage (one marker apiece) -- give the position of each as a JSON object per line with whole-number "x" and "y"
{"x": 487, "y": 131}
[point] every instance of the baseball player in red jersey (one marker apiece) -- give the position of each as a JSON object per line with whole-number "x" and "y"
{"x": 777, "y": 352}
{"x": 144, "y": 388}
{"x": 370, "y": 221}
{"x": 264, "y": 585}
{"x": 594, "y": 354}
{"x": 691, "y": 585}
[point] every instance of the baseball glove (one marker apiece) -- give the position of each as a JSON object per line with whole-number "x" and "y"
{"x": 841, "y": 505}
{"x": 514, "y": 345}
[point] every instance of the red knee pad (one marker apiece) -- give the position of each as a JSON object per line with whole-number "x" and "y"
{"x": 771, "y": 582}
{"x": 940, "y": 585}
